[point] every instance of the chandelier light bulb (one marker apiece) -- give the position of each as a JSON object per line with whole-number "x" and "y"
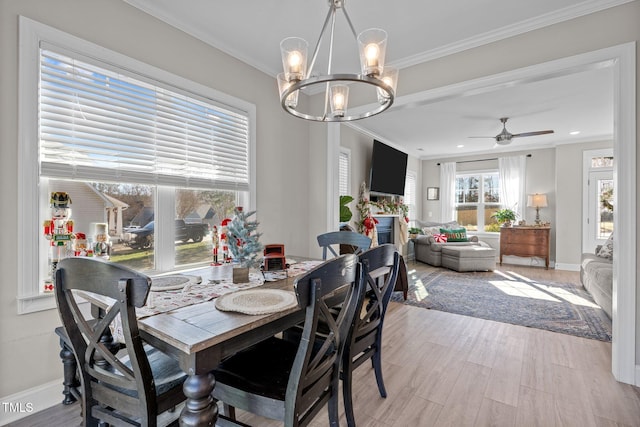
{"x": 295, "y": 62}
{"x": 371, "y": 53}
{"x": 339, "y": 99}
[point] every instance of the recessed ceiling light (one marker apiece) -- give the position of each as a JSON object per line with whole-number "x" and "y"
{"x": 460, "y": 146}
{"x": 420, "y": 149}
{"x": 575, "y": 132}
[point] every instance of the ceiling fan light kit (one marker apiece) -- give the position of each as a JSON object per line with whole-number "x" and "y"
{"x": 374, "y": 74}
{"x": 505, "y": 137}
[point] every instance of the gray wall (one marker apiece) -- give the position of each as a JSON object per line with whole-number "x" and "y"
{"x": 569, "y": 199}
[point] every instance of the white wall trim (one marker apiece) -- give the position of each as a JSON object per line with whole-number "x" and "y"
{"x": 567, "y": 267}
{"x": 333, "y": 172}
{"x": 30, "y": 401}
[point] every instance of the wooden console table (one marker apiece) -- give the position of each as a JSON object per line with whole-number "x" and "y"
{"x": 525, "y": 242}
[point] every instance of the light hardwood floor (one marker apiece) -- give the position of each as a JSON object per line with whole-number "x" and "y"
{"x": 443, "y": 369}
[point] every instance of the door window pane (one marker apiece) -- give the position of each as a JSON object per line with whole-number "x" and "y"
{"x": 605, "y": 217}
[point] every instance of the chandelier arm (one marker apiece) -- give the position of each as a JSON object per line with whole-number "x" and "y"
{"x": 331, "y": 38}
{"x": 319, "y": 42}
{"x": 346, "y": 15}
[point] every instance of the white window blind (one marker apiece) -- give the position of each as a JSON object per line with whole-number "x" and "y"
{"x": 100, "y": 123}
{"x": 344, "y": 172}
{"x": 410, "y": 194}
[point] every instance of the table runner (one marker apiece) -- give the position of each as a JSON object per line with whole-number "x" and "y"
{"x": 210, "y": 283}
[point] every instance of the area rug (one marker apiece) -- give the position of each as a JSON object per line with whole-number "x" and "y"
{"x": 510, "y": 298}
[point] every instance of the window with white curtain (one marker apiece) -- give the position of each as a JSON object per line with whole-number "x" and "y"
{"x": 133, "y": 146}
{"x": 345, "y": 171}
{"x": 410, "y": 194}
{"x": 477, "y": 198}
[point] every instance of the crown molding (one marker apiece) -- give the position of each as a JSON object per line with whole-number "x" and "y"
{"x": 570, "y": 12}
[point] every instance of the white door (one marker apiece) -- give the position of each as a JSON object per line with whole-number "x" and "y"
{"x": 599, "y": 220}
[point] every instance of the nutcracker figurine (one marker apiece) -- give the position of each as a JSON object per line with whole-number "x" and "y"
{"x": 216, "y": 241}
{"x": 101, "y": 245}
{"x": 224, "y": 239}
{"x": 59, "y": 231}
{"x": 80, "y": 245}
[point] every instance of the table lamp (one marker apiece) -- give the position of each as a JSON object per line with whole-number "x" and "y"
{"x": 537, "y": 201}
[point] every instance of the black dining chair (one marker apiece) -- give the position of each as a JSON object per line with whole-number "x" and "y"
{"x": 133, "y": 383}
{"x": 358, "y": 242}
{"x": 292, "y": 380}
{"x": 381, "y": 265}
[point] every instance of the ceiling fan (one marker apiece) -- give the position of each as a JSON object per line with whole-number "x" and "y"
{"x": 504, "y": 137}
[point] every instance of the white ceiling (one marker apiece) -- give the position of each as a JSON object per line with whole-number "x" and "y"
{"x": 420, "y": 30}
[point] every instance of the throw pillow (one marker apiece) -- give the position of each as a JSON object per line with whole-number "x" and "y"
{"x": 440, "y": 238}
{"x": 606, "y": 251}
{"x": 455, "y": 235}
{"x": 430, "y": 231}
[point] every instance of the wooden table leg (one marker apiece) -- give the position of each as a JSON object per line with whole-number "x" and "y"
{"x": 200, "y": 408}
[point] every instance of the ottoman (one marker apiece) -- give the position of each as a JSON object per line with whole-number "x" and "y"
{"x": 469, "y": 258}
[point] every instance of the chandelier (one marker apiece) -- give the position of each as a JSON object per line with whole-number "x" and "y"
{"x": 378, "y": 80}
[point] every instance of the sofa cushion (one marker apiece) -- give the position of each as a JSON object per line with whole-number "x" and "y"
{"x": 455, "y": 235}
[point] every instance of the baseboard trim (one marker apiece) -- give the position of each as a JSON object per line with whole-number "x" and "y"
{"x": 28, "y": 402}
{"x": 567, "y": 267}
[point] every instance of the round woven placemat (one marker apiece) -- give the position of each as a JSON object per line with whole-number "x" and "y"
{"x": 257, "y": 301}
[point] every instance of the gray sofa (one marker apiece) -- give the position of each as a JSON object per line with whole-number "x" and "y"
{"x": 596, "y": 275}
{"x": 428, "y": 251}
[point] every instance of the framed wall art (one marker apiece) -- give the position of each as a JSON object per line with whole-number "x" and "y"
{"x": 433, "y": 193}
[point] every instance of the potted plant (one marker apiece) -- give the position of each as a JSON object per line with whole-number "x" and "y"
{"x": 345, "y": 212}
{"x": 242, "y": 239}
{"x": 414, "y": 231}
{"x": 504, "y": 217}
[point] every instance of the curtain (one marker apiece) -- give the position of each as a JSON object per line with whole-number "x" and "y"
{"x": 447, "y": 191}
{"x": 512, "y": 173}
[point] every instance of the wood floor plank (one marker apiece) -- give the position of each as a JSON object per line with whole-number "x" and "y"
{"x": 495, "y": 414}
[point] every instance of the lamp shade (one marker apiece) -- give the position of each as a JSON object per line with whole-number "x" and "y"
{"x": 537, "y": 200}
{"x": 372, "y": 44}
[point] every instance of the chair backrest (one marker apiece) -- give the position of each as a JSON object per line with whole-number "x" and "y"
{"x": 315, "y": 373}
{"x": 122, "y": 381}
{"x": 360, "y": 242}
{"x": 381, "y": 265}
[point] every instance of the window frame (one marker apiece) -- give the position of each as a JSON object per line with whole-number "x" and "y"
{"x": 31, "y": 206}
{"x": 347, "y": 154}
{"x": 410, "y": 190}
{"x": 480, "y": 205}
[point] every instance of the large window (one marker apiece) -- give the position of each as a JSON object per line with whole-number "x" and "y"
{"x": 477, "y": 199}
{"x": 150, "y": 162}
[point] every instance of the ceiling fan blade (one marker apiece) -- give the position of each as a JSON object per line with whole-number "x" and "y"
{"x": 492, "y": 137}
{"x": 540, "y": 132}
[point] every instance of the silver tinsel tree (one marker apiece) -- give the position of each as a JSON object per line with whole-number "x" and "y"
{"x": 242, "y": 239}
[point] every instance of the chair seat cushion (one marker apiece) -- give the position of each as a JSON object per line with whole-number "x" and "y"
{"x": 262, "y": 369}
{"x": 166, "y": 372}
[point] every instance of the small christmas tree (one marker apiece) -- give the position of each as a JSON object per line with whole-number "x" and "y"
{"x": 243, "y": 238}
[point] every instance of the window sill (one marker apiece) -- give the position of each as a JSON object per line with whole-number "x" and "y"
{"x": 34, "y": 303}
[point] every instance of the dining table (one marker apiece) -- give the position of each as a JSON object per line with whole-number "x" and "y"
{"x": 200, "y": 335}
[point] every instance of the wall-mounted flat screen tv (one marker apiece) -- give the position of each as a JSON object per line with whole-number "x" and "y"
{"x": 388, "y": 170}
